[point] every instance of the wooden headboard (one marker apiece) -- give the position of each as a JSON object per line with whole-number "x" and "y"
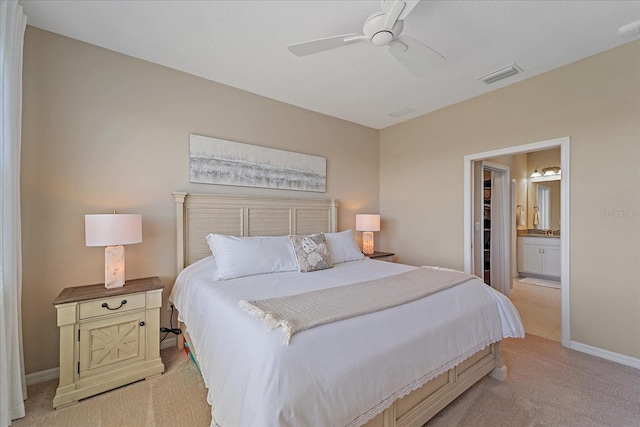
{"x": 200, "y": 214}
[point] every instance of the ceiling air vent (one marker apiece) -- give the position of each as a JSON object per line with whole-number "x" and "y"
{"x": 500, "y": 74}
{"x": 401, "y": 112}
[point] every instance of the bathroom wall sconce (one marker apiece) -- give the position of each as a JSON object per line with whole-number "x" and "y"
{"x": 535, "y": 173}
{"x": 550, "y": 173}
{"x": 551, "y": 170}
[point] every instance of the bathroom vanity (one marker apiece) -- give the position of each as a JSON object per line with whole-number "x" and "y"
{"x": 539, "y": 255}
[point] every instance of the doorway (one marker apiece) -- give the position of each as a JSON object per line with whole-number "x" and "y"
{"x": 470, "y": 217}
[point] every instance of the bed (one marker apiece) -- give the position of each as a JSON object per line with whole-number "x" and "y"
{"x": 393, "y": 367}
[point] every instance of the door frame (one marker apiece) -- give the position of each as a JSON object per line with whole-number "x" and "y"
{"x": 564, "y": 144}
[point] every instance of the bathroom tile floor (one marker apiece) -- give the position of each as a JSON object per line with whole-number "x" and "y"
{"x": 539, "y": 308}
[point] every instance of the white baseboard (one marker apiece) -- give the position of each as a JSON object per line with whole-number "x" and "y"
{"x": 46, "y": 375}
{"x": 53, "y": 373}
{"x": 605, "y": 354}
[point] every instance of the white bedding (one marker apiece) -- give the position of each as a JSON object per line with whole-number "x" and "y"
{"x": 338, "y": 374}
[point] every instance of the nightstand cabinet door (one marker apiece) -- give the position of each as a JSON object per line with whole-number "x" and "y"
{"x": 112, "y": 342}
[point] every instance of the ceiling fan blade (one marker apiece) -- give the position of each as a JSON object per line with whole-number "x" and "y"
{"x": 320, "y": 45}
{"x": 416, "y": 56}
{"x": 408, "y": 7}
{"x": 392, "y": 9}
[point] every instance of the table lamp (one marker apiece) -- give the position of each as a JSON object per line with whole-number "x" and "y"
{"x": 367, "y": 223}
{"x": 113, "y": 231}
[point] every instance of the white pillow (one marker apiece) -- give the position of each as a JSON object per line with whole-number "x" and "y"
{"x": 246, "y": 256}
{"x": 343, "y": 247}
{"x": 210, "y": 242}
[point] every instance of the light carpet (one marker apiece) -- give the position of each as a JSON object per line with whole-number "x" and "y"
{"x": 178, "y": 397}
{"x": 548, "y": 385}
{"x": 540, "y": 282}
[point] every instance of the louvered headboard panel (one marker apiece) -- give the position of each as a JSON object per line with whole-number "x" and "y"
{"x": 200, "y": 214}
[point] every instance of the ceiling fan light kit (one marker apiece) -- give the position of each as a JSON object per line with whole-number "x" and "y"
{"x": 382, "y": 28}
{"x": 375, "y": 29}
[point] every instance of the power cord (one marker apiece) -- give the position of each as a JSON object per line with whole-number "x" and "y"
{"x": 170, "y": 329}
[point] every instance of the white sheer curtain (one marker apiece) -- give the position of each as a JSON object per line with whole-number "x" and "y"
{"x": 13, "y": 389}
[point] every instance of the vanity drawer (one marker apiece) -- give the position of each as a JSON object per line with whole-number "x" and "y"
{"x": 101, "y": 307}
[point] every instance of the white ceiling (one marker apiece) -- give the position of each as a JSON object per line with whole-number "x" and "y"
{"x": 243, "y": 44}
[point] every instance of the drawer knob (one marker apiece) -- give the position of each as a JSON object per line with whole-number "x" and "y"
{"x": 105, "y": 305}
{"x": 141, "y": 323}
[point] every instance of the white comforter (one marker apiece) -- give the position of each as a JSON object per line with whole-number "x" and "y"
{"x": 339, "y": 374}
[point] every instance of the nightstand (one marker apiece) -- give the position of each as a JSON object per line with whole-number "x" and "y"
{"x": 108, "y": 337}
{"x": 382, "y": 256}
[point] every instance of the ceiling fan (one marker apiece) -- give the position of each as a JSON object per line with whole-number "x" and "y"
{"x": 382, "y": 28}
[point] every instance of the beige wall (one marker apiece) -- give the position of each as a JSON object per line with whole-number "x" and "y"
{"x": 104, "y": 131}
{"x": 596, "y": 102}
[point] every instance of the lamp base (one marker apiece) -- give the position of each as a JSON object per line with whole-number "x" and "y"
{"x": 367, "y": 242}
{"x": 113, "y": 267}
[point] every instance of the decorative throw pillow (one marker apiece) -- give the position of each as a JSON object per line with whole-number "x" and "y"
{"x": 343, "y": 247}
{"x": 311, "y": 252}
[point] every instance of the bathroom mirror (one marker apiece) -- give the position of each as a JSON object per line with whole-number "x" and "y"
{"x": 545, "y": 196}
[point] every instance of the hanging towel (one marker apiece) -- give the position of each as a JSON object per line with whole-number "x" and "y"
{"x": 536, "y": 218}
{"x": 521, "y": 219}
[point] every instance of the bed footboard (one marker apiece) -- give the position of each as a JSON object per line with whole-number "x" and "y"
{"x": 421, "y": 405}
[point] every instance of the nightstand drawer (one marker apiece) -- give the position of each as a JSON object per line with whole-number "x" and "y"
{"x": 100, "y": 307}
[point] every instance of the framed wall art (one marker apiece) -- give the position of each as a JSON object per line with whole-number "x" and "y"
{"x": 217, "y": 161}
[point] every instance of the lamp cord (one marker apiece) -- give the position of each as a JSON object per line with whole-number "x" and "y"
{"x": 170, "y": 329}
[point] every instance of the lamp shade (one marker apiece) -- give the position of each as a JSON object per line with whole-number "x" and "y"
{"x": 112, "y": 229}
{"x": 367, "y": 222}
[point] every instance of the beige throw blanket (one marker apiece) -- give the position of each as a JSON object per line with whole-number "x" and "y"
{"x": 299, "y": 312}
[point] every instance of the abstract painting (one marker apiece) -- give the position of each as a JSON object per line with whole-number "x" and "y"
{"x": 217, "y": 161}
